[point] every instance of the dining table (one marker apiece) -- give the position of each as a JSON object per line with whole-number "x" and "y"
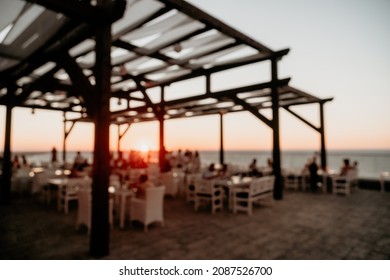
{"x": 122, "y": 197}
{"x": 231, "y": 183}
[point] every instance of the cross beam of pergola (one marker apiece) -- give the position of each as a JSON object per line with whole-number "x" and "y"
{"x": 78, "y": 56}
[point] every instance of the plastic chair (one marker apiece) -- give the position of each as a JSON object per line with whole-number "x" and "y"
{"x": 342, "y": 184}
{"x": 167, "y": 180}
{"x": 244, "y": 198}
{"x": 150, "y": 209}
{"x": 68, "y": 192}
{"x": 207, "y": 192}
{"x": 84, "y": 211}
{"x": 192, "y": 180}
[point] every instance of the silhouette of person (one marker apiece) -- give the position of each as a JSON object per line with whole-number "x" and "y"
{"x": 54, "y": 155}
{"x": 313, "y": 169}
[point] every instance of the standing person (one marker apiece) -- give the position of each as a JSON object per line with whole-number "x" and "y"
{"x": 54, "y": 155}
{"x": 78, "y": 161}
{"x": 313, "y": 168}
{"x": 24, "y": 161}
{"x": 16, "y": 163}
{"x": 179, "y": 159}
{"x": 195, "y": 163}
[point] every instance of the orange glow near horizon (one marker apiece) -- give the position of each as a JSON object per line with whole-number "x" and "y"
{"x": 44, "y": 129}
{"x": 357, "y": 118}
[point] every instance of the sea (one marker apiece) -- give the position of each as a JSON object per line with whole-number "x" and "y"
{"x": 371, "y": 163}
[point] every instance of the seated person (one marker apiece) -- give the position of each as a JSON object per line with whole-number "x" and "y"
{"x": 253, "y": 171}
{"x": 210, "y": 173}
{"x": 224, "y": 172}
{"x": 144, "y": 183}
{"x": 345, "y": 167}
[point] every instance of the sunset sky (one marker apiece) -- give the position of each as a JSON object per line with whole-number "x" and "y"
{"x": 337, "y": 49}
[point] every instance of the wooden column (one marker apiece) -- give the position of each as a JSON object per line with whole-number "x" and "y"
{"x": 277, "y": 171}
{"x": 221, "y": 149}
{"x": 161, "y": 152}
{"x": 64, "y": 142}
{"x": 322, "y": 133}
{"x": 99, "y": 240}
{"x": 5, "y": 191}
{"x": 66, "y": 134}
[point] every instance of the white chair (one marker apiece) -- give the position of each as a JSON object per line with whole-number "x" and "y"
{"x": 179, "y": 178}
{"x": 292, "y": 181}
{"x": 207, "y": 192}
{"x": 192, "y": 180}
{"x": 84, "y": 211}
{"x": 342, "y": 184}
{"x": 167, "y": 180}
{"x": 39, "y": 182}
{"x": 68, "y": 192}
{"x": 21, "y": 181}
{"x": 150, "y": 209}
{"x": 259, "y": 188}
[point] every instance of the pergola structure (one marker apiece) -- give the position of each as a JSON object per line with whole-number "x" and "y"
{"x": 79, "y": 55}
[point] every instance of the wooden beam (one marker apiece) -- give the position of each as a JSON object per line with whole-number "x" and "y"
{"x": 47, "y": 53}
{"x": 148, "y": 101}
{"x": 301, "y": 118}
{"x": 79, "y": 80}
{"x": 83, "y": 11}
{"x": 41, "y": 81}
{"x": 252, "y": 110}
{"x": 139, "y": 24}
{"x": 67, "y": 131}
{"x": 201, "y": 71}
{"x": 227, "y": 93}
{"x": 121, "y": 134}
{"x": 207, "y": 19}
{"x": 219, "y": 94}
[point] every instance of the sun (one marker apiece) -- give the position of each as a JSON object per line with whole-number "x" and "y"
{"x": 144, "y": 148}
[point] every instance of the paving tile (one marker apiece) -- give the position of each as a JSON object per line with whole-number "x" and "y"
{"x": 301, "y": 226}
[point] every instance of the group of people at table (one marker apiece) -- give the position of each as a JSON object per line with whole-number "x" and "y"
{"x": 184, "y": 163}
{"x": 187, "y": 162}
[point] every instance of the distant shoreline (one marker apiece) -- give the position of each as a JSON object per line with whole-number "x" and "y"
{"x": 376, "y": 151}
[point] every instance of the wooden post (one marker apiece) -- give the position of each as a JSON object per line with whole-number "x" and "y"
{"x": 221, "y": 149}
{"x": 278, "y": 189}
{"x": 99, "y": 240}
{"x": 5, "y": 191}
{"x": 64, "y": 141}
{"x": 161, "y": 153}
{"x": 322, "y": 133}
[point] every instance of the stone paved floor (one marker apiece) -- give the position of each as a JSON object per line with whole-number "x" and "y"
{"x": 301, "y": 226}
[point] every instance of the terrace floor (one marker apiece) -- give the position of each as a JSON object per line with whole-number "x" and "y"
{"x": 301, "y": 226}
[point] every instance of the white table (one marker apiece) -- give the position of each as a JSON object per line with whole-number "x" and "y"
{"x": 234, "y": 182}
{"x": 58, "y": 183}
{"x": 123, "y": 195}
